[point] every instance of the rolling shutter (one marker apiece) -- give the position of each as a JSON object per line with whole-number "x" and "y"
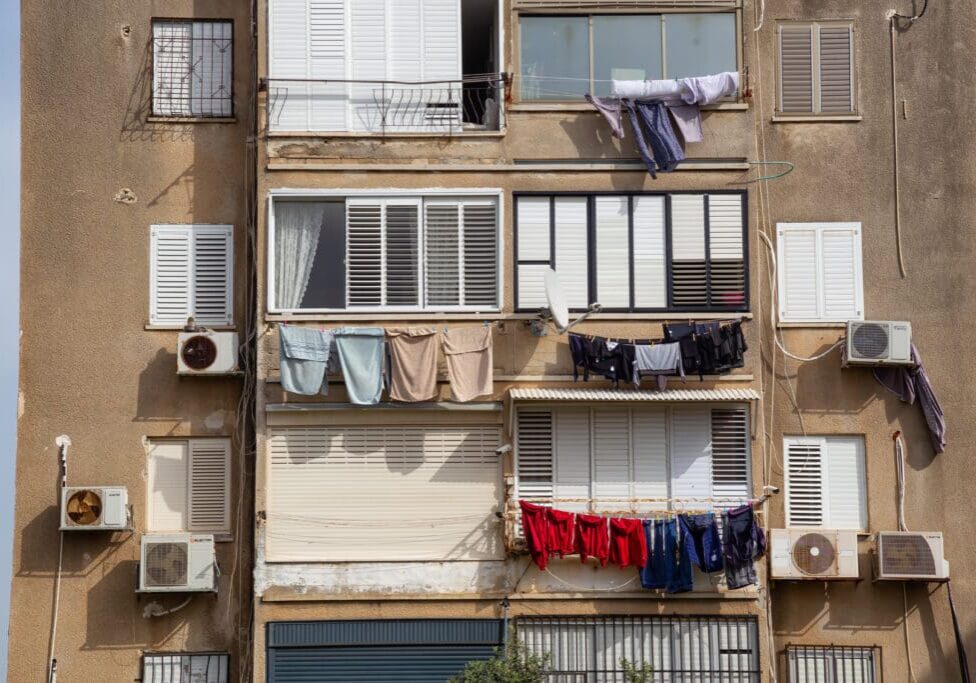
{"x": 573, "y": 475}
{"x": 650, "y": 253}
{"x": 689, "y": 273}
{"x": 836, "y": 87}
{"x": 572, "y": 254}
{"x": 533, "y": 254}
{"x": 611, "y": 467}
{"x": 534, "y": 448}
{"x": 613, "y": 252}
{"x": 383, "y": 493}
{"x": 650, "y": 440}
{"x": 796, "y": 68}
{"x": 209, "y": 485}
{"x": 730, "y": 454}
{"x": 691, "y": 453}
{"x": 191, "y": 274}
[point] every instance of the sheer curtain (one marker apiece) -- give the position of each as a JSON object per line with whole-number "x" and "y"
{"x": 297, "y": 229}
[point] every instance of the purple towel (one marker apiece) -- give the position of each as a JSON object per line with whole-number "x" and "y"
{"x": 609, "y": 107}
{"x": 911, "y": 383}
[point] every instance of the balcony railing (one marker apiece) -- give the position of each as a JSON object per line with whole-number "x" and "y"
{"x": 472, "y": 104}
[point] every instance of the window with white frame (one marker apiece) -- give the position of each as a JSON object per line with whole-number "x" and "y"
{"x": 816, "y": 68}
{"x": 819, "y": 272}
{"x": 832, "y": 664}
{"x": 191, "y": 274}
{"x": 617, "y": 455}
{"x": 421, "y": 253}
{"x": 189, "y": 486}
{"x": 193, "y": 64}
{"x": 564, "y": 57}
{"x": 826, "y": 484}
{"x": 185, "y": 667}
{"x": 634, "y": 252}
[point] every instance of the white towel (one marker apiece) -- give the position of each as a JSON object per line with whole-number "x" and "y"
{"x": 643, "y": 90}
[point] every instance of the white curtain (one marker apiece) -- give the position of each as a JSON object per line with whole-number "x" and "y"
{"x": 297, "y": 229}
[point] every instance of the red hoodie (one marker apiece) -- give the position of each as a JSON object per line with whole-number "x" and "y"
{"x": 627, "y": 544}
{"x": 562, "y": 536}
{"x": 535, "y": 528}
{"x": 591, "y": 538}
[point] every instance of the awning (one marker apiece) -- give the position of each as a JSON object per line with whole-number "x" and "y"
{"x": 629, "y": 395}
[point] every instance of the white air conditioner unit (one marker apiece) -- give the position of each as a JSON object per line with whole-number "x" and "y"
{"x": 207, "y": 353}
{"x": 817, "y": 554}
{"x": 910, "y": 556}
{"x": 94, "y": 508}
{"x": 177, "y": 563}
{"x": 877, "y": 342}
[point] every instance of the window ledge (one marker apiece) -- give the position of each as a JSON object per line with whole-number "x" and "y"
{"x": 340, "y": 317}
{"x": 179, "y": 328}
{"x": 191, "y": 119}
{"x": 816, "y": 118}
{"x": 536, "y": 166}
{"x": 821, "y": 325}
{"x": 586, "y": 106}
{"x": 384, "y": 136}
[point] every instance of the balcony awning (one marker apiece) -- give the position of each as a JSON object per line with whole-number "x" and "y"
{"x": 629, "y": 395}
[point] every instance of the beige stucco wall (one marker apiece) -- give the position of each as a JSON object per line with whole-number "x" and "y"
{"x": 88, "y": 366}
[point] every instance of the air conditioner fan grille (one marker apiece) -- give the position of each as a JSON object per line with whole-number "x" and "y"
{"x": 199, "y": 352}
{"x": 870, "y": 340}
{"x": 814, "y": 554}
{"x": 84, "y": 507}
{"x": 166, "y": 564}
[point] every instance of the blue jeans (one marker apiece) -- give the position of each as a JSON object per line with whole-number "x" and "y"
{"x": 668, "y": 565}
{"x": 699, "y": 534}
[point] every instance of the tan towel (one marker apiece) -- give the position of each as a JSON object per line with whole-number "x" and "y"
{"x": 413, "y": 370}
{"x": 469, "y": 363}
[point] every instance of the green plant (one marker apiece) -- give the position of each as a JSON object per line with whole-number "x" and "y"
{"x": 634, "y": 673}
{"x": 516, "y": 664}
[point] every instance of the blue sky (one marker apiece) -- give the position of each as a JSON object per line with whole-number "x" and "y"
{"x": 9, "y": 272}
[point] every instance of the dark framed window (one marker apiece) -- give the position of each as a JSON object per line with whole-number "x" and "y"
{"x": 832, "y": 664}
{"x": 185, "y": 667}
{"x": 634, "y": 252}
{"x": 193, "y": 68}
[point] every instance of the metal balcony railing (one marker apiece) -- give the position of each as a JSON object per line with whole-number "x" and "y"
{"x": 474, "y": 103}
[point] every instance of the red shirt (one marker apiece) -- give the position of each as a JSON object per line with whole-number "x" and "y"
{"x": 535, "y": 528}
{"x": 627, "y": 544}
{"x": 562, "y": 533}
{"x": 591, "y": 538}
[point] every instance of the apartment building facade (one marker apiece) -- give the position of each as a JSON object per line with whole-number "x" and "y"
{"x": 421, "y": 164}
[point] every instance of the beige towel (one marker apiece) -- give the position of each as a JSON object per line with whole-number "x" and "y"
{"x": 469, "y": 363}
{"x": 413, "y": 370}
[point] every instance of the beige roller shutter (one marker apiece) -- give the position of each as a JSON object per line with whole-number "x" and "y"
{"x": 816, "y": 68}
{"x": 384, "y": 493}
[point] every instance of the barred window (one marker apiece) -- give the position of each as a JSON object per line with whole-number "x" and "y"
{"x": 185, "y": 667}
{"x": 832, "y": 664}
{"x": 192, "y": 68}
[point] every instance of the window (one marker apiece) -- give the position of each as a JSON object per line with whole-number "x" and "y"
{"x": 565, "y": 57}
{"x": 185, "y": 667}
{"x": 826, "y": 485}
{"x": 189, "y": 486}
{"x": 397, "y": 253}
{"x": 832, "y": 664}
{"x": 816, "y": 68}
{"x": 820, "y": 278}
{"x": 676, "y": 648}
{"x": 191, "y": 274}
{"x": 193, "y": 68}
{"x": 641, "y": 252}
{"x": 615, "y": 455}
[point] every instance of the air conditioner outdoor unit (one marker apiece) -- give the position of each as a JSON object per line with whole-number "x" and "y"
{"x": 207, "y": 353}
{"x": 817, "y": 554}
{"x": 876, "y": 342}
{"x": 177, "y": 563}
{"x": 910, "y": 556}
{"x": 94, "y": 508}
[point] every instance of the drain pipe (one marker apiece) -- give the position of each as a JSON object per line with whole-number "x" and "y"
{"x": 892, "y": 18}
{"x": 62, "y": 442}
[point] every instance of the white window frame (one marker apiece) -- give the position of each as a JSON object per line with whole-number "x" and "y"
{"x": 815, "y": 83}
{"x": 221, "y": 534}
{"x": 434, "y": 194}
{"x": 819, "y": 228}
{"x": 190, "y": 229}
{"x": 824, "y": 443}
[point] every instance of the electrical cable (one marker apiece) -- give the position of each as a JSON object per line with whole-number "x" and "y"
{"x": 63, "y": 442}
{"x": 960, "y": 643}
{"x": 908, "y": 644}
{"x": 900, "y": 471}
{"x": 762, "y": 16}
{"x": 894, "y": 136}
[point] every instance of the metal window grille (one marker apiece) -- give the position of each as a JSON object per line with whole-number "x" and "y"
{"x": 192, "y": 65}
{"x": 832, "y": 664}
{"x": 198, "y": 667}
{"x": 677, "y": 649}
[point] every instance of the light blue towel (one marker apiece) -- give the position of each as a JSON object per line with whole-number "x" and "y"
{"x": 361, "y": 356}
{"x": 304, "y": 356}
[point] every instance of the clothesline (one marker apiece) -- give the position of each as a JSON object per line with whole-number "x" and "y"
{"x": 587, "y": 80}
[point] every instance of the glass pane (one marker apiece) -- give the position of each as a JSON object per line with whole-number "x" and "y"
{"x": 627, "y": 48}
{"x": 700, "y": 44}
{"x": 555, "y": 58}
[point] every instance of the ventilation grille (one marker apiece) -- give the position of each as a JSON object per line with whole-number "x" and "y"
{"x": 814, "y": 554}
{"x": 166, "y": 565}
{"x": 870, "y": 340}
{"x": 906, "y": 555}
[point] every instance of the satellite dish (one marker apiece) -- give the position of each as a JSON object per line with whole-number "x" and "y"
{"x": 558, "y": 311}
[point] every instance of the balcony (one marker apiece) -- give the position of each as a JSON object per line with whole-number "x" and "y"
{"x": 473, "y": 104}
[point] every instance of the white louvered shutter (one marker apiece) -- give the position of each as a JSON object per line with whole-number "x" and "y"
{"x": 328, "y": 103}
{"x": 691, "y": 453}
{"x": 689, "y": 284}
{"x": 650, "y": 253}
{"x": 805, "y": 482}
{"x": 730, "y": 455}
{"x": 443, "y": 246}
{"x": 480, "y": 254}
{"x": 846, "y": 484}
{"x": 611, "y": 456}
{"x": 209, "y": 485}
{"x": 170, "y": 296}
{"x": 401, "y": 256}
{"x": 382, "y": 252}
{"x": 212, "y": 285}
{"x": 364, "y": 253}
{"x": 799, "y": 277}
{"x": 384, "y": 493}
{"x": 211, "y": 77}
{"x": 842, "y": 295}
{"x": 573, "y": 475}
{"x": 650, "y": 444}
{"x": 534, "y": 452}
{"x": 288, "y": 103}
{"x": 613, "y": 252}
{"x": 820, "y": 272}
{"x": 836, "y": 75}
{"x": 572, "y": 259}
{"x": 533, "y": 216}
{"x": 725, "y": 244}
{"x": 796, "y": 72}
{"x": 168, "y": 486}
{"x": 368, "y": 55}
{"x": 441, "y": 34}
{"x": 406, "y": 52}
{"x": 461, "y": 253}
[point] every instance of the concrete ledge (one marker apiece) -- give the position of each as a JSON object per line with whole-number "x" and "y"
{"x": 816, "y": 118}
{"x": 628, "y": 166}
